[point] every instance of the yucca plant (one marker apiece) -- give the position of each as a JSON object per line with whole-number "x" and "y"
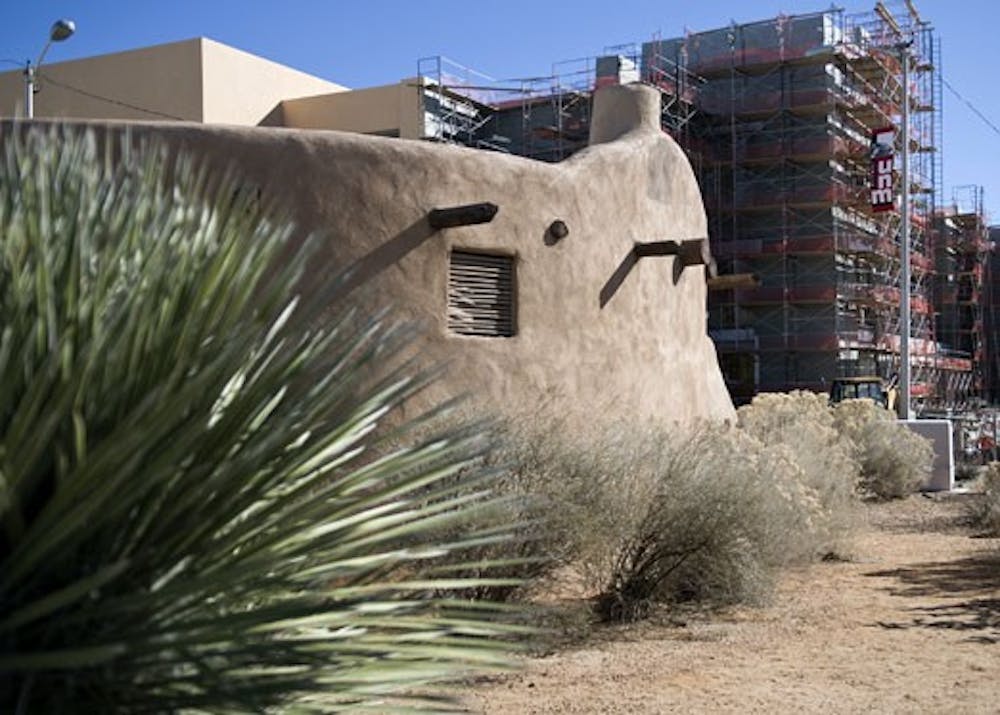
{"x": 197, "y": 511}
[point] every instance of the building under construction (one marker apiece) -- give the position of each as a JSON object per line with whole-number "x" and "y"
{"x": 778, "y": 119}
{"x": 962, "y": 245}
{"x": 991, "y": 320}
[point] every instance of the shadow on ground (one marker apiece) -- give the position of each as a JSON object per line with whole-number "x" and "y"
{"x": 966, "y": 594}
{"x": 928, "y": 513}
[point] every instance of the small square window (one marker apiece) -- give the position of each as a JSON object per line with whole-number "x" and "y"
{"x": 481, "y": 294}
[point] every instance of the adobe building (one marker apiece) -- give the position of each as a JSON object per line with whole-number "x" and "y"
{"x": 578, "y": 287}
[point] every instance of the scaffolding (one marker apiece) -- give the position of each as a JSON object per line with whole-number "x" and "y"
{"x": 457, "y": 104}
{"x": 545, "y": 118}
{"x": 786, "y": 114}
{"x": 991, "y": 318}
{"x": 962, "y": 247}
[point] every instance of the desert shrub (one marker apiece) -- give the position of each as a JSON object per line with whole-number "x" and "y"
{"x": 649, "y": 515}
{"x": 531, "y": 498}
{"x": 710, "y": 516}
{"x": 609, "y": 483}
{"x": 194, "y": 513}
{"x": 570, "y": 492}
{"x": 984, "y": 508}
{"x": 804, "y": 423}
{"x": 655, "y": 515}
{"x": 894, "y": 461}
{"x": 568, "y": 489}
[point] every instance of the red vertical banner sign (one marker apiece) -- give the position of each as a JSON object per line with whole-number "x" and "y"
{"x": 883, "y": 193}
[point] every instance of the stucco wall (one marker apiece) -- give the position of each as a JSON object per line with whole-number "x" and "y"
{"x": 241, "y": 88}
{"x": 392, "y": 108}
{"x": 645, "y": 353}
{"x": 196, "y": 80}
{"x": 160, "y": 82}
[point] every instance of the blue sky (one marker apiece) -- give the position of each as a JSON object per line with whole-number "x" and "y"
{"x": 376, "y": 41}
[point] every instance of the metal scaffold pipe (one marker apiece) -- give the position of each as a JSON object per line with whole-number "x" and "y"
{"x": 906, "y": 407}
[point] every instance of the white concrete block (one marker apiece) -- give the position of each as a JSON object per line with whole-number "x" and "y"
{"x": 942, "y": 478}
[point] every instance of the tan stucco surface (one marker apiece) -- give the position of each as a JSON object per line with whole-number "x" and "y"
{"x": 160, "y": 82}
{"x": 644, "y": 354}
{"x": 392, "y": 108}
{"x": 197, "y": 80}
{"x": 241, "y": 88}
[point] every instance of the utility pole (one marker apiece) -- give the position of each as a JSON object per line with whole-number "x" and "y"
{"x": 29, "y": 90}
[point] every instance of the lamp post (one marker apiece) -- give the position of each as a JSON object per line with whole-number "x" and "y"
{"x": 61, "y": 30}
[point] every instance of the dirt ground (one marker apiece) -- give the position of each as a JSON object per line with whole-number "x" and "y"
{"x": 911, "y": 624}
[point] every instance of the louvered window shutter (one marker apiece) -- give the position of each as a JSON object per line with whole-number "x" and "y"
{"x": 481, "y": 294}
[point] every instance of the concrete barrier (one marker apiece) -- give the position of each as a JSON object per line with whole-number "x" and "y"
{"x": 939, "y": 432}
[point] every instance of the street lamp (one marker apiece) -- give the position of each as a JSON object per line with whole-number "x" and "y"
{"x": 61, "y": 30}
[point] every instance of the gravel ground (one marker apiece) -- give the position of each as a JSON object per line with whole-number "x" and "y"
{"x": 910, "y": 624}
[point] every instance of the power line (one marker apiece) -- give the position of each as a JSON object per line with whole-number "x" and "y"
{"x": 109, "y": 100}
{"x": 969, "y": 104}
{"x": 93, "y": 95}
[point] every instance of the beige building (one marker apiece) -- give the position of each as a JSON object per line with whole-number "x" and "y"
{"x": 196, "y": 80}
{"x": 201, "y": 80}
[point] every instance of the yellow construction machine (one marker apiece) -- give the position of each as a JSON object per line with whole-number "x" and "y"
{"x": 870, "y": 387}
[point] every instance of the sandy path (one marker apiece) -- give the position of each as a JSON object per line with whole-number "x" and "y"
{"x": 911, "y": 625}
